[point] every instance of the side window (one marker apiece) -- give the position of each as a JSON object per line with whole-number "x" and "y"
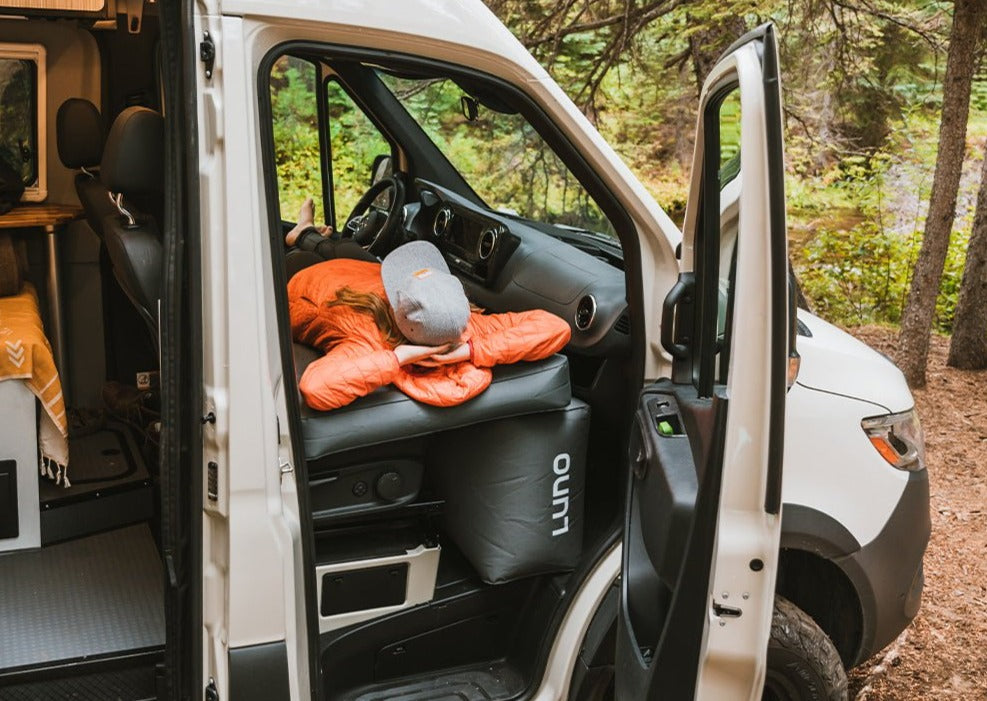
{"x": 717, "y": 239}
{"x": 355, "y": 145}
{"x": 22, "y": 115}
{"x": 729, "y": 187}
{"x": 295, "y": 117}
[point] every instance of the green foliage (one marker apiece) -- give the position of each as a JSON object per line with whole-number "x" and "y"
{"x": 500, "y": 155}
{"x": 856, "y": 276}
{"x": 296, "y": 134}
{"x": 354, "y": 142}
{"x": 857, "y": 229}
{"x": 18, "y": 82}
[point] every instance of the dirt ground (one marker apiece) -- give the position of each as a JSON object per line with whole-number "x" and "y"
{"x": 943, "y": 654}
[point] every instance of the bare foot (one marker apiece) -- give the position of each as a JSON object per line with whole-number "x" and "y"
{"x": 306, "y": 219}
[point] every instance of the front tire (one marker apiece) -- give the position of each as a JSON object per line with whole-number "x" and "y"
{"x": 803, "y": 664}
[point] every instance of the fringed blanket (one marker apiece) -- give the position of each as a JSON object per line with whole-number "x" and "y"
{"x": 25, "y": 355}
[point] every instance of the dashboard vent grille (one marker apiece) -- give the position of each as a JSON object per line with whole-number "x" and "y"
{"x": 623, "y": 325}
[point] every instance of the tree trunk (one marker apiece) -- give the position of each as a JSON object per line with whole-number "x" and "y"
{"x": 916, "y": 325}
{"x": 968, "y": 347}
{"x": 706, "y": 44}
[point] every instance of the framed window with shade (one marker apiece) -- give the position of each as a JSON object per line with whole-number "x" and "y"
{"x": 23, "y": 129}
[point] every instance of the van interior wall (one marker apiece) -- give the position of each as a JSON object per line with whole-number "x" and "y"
{"x": 72, "y": 70}
{"x": 72, "y": 61}
{"x": 76, "y": 62}
{"x": 131, "y": 65}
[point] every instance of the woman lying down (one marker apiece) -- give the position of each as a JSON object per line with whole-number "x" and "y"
{"x": 405, "y": 321}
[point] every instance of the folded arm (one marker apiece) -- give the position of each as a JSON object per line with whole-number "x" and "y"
{"x": 508, "y": 338}
{"x": 348, "y": 371}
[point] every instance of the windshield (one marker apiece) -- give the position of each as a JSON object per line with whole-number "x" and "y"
{"x": 502, "y": 157}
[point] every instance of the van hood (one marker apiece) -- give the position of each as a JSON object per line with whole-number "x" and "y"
{"x": 834, "y": 361}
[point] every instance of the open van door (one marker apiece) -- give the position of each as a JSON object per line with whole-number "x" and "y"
{"x": 704, "y": 496}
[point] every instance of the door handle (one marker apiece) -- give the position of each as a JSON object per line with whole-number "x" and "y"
{"x": 680, "y": 292}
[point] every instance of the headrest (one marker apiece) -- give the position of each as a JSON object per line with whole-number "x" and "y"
{"x": 133, "y": 162}
{"x": 79, "y": 133}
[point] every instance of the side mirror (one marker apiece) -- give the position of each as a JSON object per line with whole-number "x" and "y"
{"x": 381, "y": 168}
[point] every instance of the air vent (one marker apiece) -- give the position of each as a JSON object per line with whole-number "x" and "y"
{"x": 442, "y": 222}
{"x": 488, "y": 239}
{"x": 623, "y": 325}
{"x": 585, "y": 312}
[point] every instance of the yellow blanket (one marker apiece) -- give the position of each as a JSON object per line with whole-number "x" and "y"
{"x": 25, "y": 355}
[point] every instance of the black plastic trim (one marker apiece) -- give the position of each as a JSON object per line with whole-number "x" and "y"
{"x": 259, "y": 672}
{"x": 184, "y": 102}
{"x": 805, "y": 528}
{"x": 758, "y": 33}
{"x": 781, "y": 315}
{"x": 325, "y": 148}
{"x": 887, "y": 571}
{"x": 672, "y": 672}
{"x": 288, "y": 371}
{"x": 9, "y": 523}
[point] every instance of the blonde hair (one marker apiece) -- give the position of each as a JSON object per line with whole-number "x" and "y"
{"x": 376, "y": 307}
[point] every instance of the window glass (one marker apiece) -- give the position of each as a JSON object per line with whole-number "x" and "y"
{"x": 355, "y": 144}
{"x": 295, "y": 113}
{"x": 18, "y": 117}
{"x": 502, "y": 157}
{"x": 728, "y": 128}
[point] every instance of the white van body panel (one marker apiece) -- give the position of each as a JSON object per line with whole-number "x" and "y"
{"x": 829, "y": 462}
{"x": 254, "y": 533}
{"x": 835, "y": 361}
{"x": 735, "y": 657}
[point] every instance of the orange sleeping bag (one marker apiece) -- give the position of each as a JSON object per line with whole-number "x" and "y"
{"x": 358, "y": 360}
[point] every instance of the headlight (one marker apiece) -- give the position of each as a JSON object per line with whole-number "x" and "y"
{"x": 898, "y": 438}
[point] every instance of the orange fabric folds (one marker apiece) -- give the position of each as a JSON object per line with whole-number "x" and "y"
{"x": 357, "y": 360}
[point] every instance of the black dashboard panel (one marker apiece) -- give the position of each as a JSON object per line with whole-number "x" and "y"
{"x": 509, "y": 265}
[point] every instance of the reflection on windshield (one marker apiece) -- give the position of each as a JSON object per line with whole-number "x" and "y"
{"x": 501, "y": 156}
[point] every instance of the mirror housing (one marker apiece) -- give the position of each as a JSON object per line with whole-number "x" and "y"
{"x": 381, "y": 168}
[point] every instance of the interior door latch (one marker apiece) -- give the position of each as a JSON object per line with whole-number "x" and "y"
{"x": 207, "y": 53}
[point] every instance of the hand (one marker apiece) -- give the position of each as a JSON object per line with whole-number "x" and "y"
{"x": 408, "y": 354}
{"x": 459, "y": 354}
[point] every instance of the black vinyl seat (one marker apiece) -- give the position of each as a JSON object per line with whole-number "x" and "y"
{"x": 390, "y": 415}
{"x": 132, "y": 169}
{"x": 81, "y": 135}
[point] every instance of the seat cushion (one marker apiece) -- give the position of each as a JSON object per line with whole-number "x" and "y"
{"x": 389, "y": 415}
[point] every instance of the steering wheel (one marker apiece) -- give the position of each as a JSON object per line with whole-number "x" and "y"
{"x": 372, "y": 226}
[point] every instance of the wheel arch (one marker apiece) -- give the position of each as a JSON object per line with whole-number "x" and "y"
{"x": 808, "y": 575}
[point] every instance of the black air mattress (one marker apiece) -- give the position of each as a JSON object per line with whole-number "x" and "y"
{"x": 390, "y": 415}
{"x": 514, "y": 491}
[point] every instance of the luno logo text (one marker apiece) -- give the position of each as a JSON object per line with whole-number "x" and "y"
{"x": 560, "y": 494}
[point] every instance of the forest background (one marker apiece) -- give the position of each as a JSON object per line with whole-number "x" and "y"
{"x": 862, "y": 90}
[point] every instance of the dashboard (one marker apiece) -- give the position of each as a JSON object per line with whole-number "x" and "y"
{"x": 509, "y": 264}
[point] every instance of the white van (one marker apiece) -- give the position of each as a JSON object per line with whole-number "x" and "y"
{"x": 222, "y": 540}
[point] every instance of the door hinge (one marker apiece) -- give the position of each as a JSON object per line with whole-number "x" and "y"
{"x": 207, "y": 53}
{"x": 212, "y": 693}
